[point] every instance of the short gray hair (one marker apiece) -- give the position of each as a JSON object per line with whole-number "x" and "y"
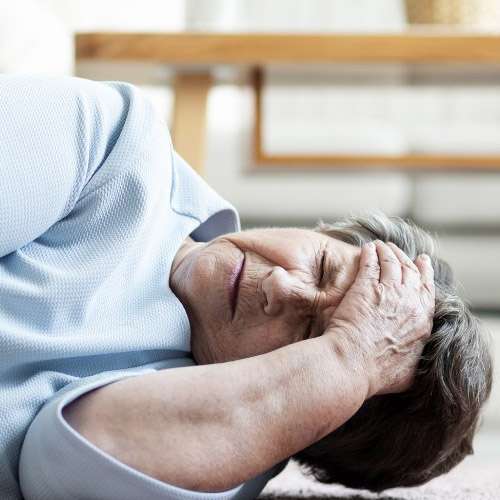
{"x": 408, "y": 438}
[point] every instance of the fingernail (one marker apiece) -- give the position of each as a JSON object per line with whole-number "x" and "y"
{"x": 425, "y": 256}
{"x": 371, "y": 245}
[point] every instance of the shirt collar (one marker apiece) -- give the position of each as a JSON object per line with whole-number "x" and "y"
{"x": 191, "y": 196}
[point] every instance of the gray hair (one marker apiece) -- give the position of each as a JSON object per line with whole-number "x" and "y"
{"x": 408, "y": 438}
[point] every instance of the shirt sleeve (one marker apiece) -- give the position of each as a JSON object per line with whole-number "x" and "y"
{"x": 58, "y": 463}
{"x": 55, "y": 133}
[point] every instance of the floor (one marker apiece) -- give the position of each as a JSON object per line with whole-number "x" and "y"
{"x": 477, "y": 477}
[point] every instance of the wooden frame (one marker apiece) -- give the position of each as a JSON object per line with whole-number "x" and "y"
{"x": 259, "y": 49}
{"x": 204, "y": 50}
{"x": 365, "y": 161}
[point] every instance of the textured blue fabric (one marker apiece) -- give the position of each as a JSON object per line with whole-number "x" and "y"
{"x": 94, "y": 203}
{"x": 57, "y": 463}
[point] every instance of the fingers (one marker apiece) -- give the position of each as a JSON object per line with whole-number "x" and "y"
{"x": 369, "y": 268}
{"x": 420, "y": 271}
{"x": 424, "y": 265}
{"x": 390, "y": 266}
{"x": 410, "y": 272}
{"x": 387, "y": 263}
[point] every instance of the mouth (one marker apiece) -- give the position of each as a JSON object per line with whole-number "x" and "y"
{"x": 234, "y": 284}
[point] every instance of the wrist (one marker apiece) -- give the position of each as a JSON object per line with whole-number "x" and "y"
{"x": 317, "y": 386}
{"x": 347, "y": 352}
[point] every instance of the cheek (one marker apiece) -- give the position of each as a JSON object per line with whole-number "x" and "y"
{"x": 210, "y": 341}
{"x": 261, "y": 339}
{"x": 346, "y": 277}
{"x": 337, "y": 289}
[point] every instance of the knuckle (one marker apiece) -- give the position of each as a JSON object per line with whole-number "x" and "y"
{"x": 371, "y": 272}
{"x": 391, "y": 260}
{"x": 408, "y": 264}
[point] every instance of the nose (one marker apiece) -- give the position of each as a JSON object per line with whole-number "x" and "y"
{"x": 280, "y": 290}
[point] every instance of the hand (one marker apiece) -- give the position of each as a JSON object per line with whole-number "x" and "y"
{"x": 385, "y": 317}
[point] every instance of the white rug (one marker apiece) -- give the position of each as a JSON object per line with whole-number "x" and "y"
{"x": 477, "y": 477}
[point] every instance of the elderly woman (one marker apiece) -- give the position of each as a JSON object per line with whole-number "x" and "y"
{"x": 121, "y": 271}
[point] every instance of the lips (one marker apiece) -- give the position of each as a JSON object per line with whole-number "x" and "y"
{"x": 234, "y": 283}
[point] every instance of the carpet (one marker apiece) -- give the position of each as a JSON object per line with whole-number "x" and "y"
{"x": 476, "y": 478}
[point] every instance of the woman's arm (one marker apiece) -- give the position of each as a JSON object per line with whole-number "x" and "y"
{"x": 213, "y": 427}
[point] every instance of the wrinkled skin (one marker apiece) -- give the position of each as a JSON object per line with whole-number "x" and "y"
{"x": 386, "y": 316}
{"x": 297, "y": 284}
{"x": 369, "y": 309}
{"x": 292, "y": 281}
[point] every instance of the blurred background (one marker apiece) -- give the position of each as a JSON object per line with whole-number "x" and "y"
{"x": 318, "y": 109}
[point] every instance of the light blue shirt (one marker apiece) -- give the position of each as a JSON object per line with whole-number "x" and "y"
{"x": 94, "y": 204}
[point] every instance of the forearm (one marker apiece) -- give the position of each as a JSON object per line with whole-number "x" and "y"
{"x": 212, "y": 427}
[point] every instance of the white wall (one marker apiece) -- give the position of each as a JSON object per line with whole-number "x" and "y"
{"x": 492, "y": 412}
{"x": 295, "y": 15}
{"x": 119, "y": 15}
{"x": 33, "y": 39}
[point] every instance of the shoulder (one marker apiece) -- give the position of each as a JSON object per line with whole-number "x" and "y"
{"x": 72, "y": 96}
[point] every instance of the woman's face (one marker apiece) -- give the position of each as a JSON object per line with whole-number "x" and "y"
{"x": 254, "y": 291}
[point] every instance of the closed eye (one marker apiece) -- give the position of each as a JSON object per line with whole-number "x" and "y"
{"x": 322, "y": 269}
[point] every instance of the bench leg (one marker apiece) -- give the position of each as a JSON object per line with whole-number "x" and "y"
{"x": 189, "y": 117}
